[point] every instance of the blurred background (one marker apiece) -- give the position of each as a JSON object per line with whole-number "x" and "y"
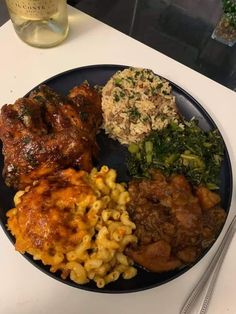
{"x": 181, "y": 29}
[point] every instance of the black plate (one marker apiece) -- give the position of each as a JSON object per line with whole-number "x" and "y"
{"x": 113, "y": 155}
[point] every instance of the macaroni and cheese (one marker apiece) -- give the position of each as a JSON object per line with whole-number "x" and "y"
{"x": 78, "y": 224}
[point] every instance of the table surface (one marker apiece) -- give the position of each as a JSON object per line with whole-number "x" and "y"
{"x": 181, "y": 29}
{"x": 24, "y": 289}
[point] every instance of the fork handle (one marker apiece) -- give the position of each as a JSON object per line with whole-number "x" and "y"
{"x": 212, "y": 270}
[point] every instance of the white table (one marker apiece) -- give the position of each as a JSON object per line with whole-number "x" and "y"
{"x": 26, "y": 290}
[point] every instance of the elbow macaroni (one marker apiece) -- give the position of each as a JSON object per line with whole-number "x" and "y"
{"x": 103, "y": 232}
{"x": 111, "y": 232}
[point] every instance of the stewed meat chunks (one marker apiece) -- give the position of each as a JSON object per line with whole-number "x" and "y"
{"x": 174, "y": 222}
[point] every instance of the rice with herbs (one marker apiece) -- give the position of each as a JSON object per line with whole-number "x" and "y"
{"x": 134, "y": 102}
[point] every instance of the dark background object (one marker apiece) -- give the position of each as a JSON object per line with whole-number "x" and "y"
{"x": 113, "y": 155}
{"x": 181, "y": 29}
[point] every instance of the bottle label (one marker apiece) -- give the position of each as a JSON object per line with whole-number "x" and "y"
{"x": 33, "y": 9}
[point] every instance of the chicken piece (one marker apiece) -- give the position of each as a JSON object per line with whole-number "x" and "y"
{"x": 155, "y": 257}
{"x": 91, "y": 115}
{"x": 188, "y": 254}
{"x": 156, "y": 188}
{"x": 207, "y": 198}
{"x": 46, "y": 132}
{"x": 44, "y": 221}
{"x": 213, "y": 220}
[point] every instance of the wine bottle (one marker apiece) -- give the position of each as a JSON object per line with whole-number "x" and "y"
{"x": 39, "y": 23}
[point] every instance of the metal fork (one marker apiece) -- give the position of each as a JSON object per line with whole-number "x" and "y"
{"x": 210, "y": 275}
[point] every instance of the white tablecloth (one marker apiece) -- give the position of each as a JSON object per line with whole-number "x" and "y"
{"x": 26, "y": 290}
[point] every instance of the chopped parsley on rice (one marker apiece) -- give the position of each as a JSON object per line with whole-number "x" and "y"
{"x": 135, "y": 102}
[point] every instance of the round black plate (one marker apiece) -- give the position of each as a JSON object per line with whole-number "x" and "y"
{"x": 113, "y": 154}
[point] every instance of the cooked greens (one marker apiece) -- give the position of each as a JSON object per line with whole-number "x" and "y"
{"x": 180, "y": 148}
